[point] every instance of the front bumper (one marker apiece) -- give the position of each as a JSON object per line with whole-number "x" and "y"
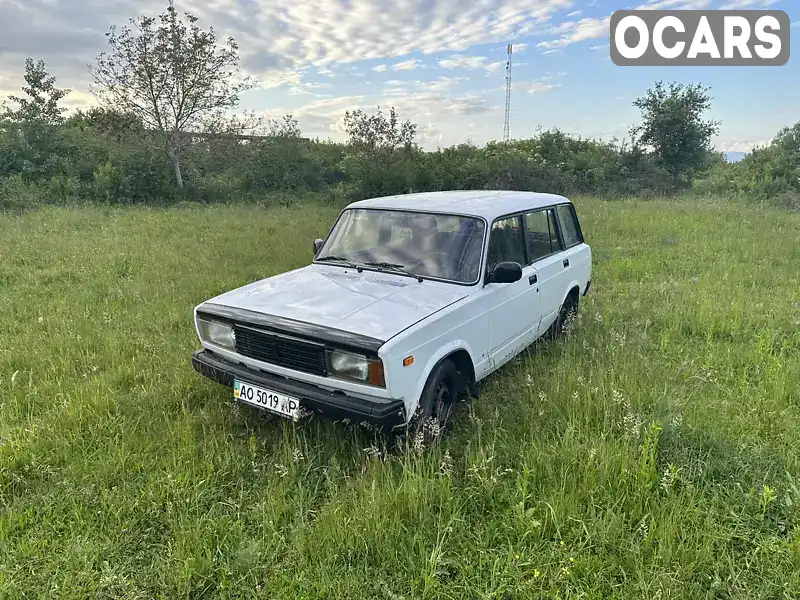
{"x": 332, "y": 405}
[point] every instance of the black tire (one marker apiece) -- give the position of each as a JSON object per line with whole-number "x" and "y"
{"x": 568, "y": 311}
{"x": 434, "y": 414}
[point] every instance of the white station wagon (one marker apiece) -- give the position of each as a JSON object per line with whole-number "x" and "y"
{"x": 410, "y": 301}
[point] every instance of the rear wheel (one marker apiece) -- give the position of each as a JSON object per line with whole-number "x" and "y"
{"x": 568, "y": 311}
{"x": 434, "y": 414}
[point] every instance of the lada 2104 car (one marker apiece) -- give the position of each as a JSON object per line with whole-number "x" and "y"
{"x": 410, "y": 301}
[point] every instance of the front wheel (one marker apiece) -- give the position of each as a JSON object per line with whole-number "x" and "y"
{"x": 434, "y": 412}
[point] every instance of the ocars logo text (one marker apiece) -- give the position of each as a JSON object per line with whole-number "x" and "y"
{"x": 700, "y": 37}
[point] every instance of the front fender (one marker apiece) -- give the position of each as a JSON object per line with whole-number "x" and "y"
{"x": 435, "y": 358}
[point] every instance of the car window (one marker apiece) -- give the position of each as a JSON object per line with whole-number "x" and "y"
{"x": 431, "y": 245}
{"x": 569, "y": 225}
{"x": 542, "y": 234}
{"x": 506, "y": 242}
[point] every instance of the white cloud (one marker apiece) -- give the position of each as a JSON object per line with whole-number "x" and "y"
{"x": 570, "y": 32}
{"x": 308, "y": 88}
{"x": 539, "y": 86}
{"x": 406, "y": 65}
{"x": 380, "y": 68}
{"x": 739, "y": 4}
{"x": 458, "y": 61}
{"x": 740, "y": 145}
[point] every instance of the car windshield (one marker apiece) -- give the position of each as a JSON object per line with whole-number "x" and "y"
{"x": 424, "y": 244}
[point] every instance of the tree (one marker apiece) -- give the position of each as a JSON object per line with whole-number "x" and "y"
{"x": 382, "y": 153}
{"x": 673, "y": 126}
{"x": 378, "y": 131}
{"x": 173, "y": 76}
{"x": 41, "y": 106}
{"x": 31, "y": 132}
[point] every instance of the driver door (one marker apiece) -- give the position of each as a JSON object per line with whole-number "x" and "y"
{"x": 514, "y": 311}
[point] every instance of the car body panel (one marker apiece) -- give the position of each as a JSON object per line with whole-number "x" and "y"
{"x": 372, "y": 303}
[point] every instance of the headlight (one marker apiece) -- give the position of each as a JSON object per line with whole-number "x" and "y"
{"x": 217, "y": 333}
{"x": 357, "y": 367}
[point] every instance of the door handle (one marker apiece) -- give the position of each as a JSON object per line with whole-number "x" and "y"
{"x": 566, "y": 262}
{"x": 533, "y": 279}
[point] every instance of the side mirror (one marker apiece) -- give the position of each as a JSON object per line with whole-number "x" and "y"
{"x": 318, "y": 246}
{"x": 506, "y": 272}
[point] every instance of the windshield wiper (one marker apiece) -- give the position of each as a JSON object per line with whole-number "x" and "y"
{"x": 394, "y": 267}
{"x": 342, "y": 259}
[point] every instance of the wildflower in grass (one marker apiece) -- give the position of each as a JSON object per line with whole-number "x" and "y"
{"x": 281, "y": 470}
{"x": 537, "y": 573}
{"x": 373, "y": 451}
{"x": 592, "y": 453}
{"x": 617, "y": 396}
{"x": 643, "y": 529}
{"x": 542, "y": 396}
{"x": 581, "y": 381}
{"x": 297, "y": 456}
{"x": 575, "y": 396}
{"x": 670, "y": 477}
{"x": 418, "y": 444}
{"x": 677, "y": 420}
{"x": 528, "y": 380}
{"x": 446, "y": 466}
{"x": 598, "y": 318}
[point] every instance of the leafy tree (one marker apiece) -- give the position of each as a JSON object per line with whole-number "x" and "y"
{"x": 383, "y": 153}
{"x": 673, "y": 126}
{"x": 377, "y": 130}
{"x": 41, "y": 105}
{"x": 173, "y": 76}
{"x": 31, "y": 134}
{"x": 286, "y": 127}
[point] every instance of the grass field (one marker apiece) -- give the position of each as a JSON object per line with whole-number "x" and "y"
{"x": 653, "y": 453}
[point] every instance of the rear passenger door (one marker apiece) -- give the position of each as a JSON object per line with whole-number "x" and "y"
{"x": 514, "y": 310}
{"x": 546, "y": 252}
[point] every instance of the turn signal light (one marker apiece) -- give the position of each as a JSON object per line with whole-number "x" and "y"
{"x": 408, "y": 360}
{"x": 375, "y": 376}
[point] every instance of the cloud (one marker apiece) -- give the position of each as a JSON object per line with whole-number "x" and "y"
{"x": 570, "y": 32}
{"x": 380, "y": 68}
{"x": 458, "y": 61}
{"x": 308, "y": 88}
{"x": 406, "y": 65}
{"x": 277, "y": 38}
{"x": 539, "y": 86}
{"x": 740, "y": 4}
{"x": 740, "y": 145}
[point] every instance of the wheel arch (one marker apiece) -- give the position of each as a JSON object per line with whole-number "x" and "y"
{"x": 459, "y": 353}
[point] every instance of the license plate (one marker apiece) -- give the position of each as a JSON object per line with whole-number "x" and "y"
{"x": 274, "y": 402}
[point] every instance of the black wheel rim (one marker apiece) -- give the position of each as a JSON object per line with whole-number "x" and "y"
{"x": 442, "y": 403}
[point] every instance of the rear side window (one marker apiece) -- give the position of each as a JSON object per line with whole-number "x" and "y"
{"x": 542, "y": 234}
{"x": 506, "y": 242}
{"x": 569, "y": 225}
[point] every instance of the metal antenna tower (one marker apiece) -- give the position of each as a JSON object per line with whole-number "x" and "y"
{"x": 506, "y": 128}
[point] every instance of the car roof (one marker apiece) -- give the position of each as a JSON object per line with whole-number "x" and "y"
{"x": 486, "y": 204}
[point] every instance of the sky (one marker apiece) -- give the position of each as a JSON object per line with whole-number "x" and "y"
{"x": 440, "y": 63}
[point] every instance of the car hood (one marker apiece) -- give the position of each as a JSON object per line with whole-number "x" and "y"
{"x": 375, "y": 304}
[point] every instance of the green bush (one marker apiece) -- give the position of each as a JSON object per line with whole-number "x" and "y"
{"x": 17, "y": 194}
{"x": 105, "y": 157}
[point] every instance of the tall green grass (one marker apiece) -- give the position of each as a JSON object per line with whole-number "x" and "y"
{"x": 653, "y": 452}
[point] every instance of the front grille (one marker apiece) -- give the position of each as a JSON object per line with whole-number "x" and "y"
{"x": 279, "y": 350}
